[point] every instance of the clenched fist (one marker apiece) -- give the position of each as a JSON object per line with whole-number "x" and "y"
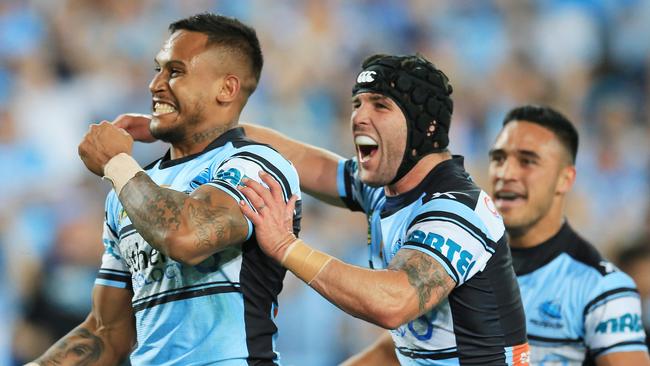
{"x": 102, "y": 142}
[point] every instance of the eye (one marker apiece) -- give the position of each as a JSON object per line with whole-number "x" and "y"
{"x": 175, "y": 72}
{"x": 356, "y": 104}
{"x": 156, "y": 68}
{"x": 381, "y": 106}
{"x": 527, "y": 161}
{"x": 497, "y": 158}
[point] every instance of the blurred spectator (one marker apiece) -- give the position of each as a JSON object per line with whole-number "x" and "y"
{"x": 67, "y": 63}
{"x": 635, "y": 261}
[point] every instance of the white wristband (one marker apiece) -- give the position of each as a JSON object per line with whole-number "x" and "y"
{"x": 120, "y": 169}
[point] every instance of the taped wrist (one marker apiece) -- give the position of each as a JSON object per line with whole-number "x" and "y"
{"x": 120, "y": 169}
{"x": 305, "y": 262}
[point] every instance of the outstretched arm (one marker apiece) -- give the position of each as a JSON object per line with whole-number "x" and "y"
{"x": 382, "y": 352}
{"x": 413, "y": 284}
{"x": 188, "y": 228}
{"x": 106, "y": 337}
{"x": 317, "y": 167}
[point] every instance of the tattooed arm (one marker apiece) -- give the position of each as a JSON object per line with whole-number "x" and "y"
{"x": 187, "y": 228}
{"x": 106, "y": 337}
{"x": 413, "y": 284}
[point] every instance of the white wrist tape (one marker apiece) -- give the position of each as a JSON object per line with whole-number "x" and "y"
{"x": 120, "y": 169}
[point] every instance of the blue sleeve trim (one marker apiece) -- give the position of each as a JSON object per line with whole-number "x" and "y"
{"x": 110, "y": 283}
{"x": 340, "y": 178}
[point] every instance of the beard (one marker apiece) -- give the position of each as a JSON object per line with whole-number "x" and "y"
{"x": 177, "y": 132}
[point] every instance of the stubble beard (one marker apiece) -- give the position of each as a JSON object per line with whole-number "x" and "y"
{"x": 180, "y": 131}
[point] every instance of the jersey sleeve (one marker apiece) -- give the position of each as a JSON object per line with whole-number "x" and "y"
{"x": 356, "y": 195}
{"x": 612, "y": 317}
{"x": 114, "y": 270}
{"x": 453, "y": 234}
{"x": 247, "y": 163}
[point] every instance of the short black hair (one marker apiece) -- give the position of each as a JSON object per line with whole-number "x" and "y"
{"x": 551, "y": 119}
{"x": 229, "y": 32}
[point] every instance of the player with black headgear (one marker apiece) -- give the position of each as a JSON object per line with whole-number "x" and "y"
{"x": 441, "y": 277}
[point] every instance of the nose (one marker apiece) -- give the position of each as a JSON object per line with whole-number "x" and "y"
{"x": 158, "y": 83}
{"x": 507, "y": 170}
{"x": 361, "y": 115}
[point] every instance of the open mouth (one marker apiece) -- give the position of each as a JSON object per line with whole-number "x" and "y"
{"x": 366, "y": 146}
{"x": 502, "y": 198}
{"x": 161, "y": 108}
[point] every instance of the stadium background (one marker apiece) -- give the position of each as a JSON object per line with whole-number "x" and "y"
{"x": 67, "y": 63}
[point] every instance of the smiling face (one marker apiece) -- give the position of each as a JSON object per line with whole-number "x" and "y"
{"x": 530, "y": 171}
{"x": 379, "y": 131}
{"x": 182, "y": 89}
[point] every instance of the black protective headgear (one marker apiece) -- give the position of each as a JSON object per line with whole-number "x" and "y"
{"x": 423, "y": 94}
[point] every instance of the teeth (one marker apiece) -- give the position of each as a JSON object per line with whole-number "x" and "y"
{"x": 365, "y": 141}
{"x": 163, "y": 108}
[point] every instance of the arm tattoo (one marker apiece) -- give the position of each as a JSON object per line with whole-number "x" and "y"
{"x": 210, "y": 223}
{"x": 157, "y": 212}
{"x": 153, "y": 210}
{"x": 79, "y": 348}
{"x": 425, "y": 275}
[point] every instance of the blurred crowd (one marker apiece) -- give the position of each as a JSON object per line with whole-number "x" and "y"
{"x": 67, "y": 63}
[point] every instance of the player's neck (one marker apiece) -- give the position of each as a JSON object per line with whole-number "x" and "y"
{"x": 544, "y": 229}
{"x": 416, "y": 174}
{"x": 198, "y": 140}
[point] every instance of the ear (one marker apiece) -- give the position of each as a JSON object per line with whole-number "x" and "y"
{"x": 566, "y": 179}
{"x": 229, "y": 90}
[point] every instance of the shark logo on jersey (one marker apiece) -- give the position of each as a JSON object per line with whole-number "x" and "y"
{"x": 232, "y": 176}
{"x": 550, "y": 315}
{"x": 199, "y": 180}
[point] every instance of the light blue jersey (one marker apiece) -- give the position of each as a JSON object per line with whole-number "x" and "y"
{"x": 222, "y": 311}
{"x": 452, "y": 220}
{"x": 578, "y": 306}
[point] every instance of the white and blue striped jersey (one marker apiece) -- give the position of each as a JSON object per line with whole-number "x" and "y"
{"x": 452, "y": 220}
{"x": 578, "y": 306}
{"x": 221, "y": 311}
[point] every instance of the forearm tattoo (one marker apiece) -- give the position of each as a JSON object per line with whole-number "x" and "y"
{"x": 424, "y": 274}
{"x": 157, "y": 212}
{"x": 80, "y": 348}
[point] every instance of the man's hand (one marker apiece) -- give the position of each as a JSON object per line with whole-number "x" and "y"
{"x": 137, "y": 125}
{"x": 102, "y": 142}
{"x": 274, "y": 218}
